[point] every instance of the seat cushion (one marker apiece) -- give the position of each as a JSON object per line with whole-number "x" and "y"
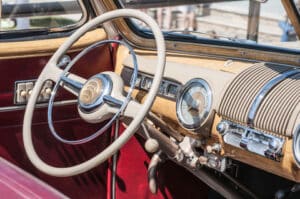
{"x": 16, "y": 183}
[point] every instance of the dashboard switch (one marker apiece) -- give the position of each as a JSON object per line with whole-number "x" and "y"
{"x": 172, "y": 90}
{"x": 222, "y": 127}
{"x": 255, "y": 141}
{"x": 23, "y": 93}
{"x": 29, "y": 92}
{"x": 23, "y": 90}
{"x": 274, "y": 144}
{"x": 167, "y": 89}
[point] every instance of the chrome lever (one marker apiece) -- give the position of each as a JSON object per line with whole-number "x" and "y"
{"x": 151, "y": 144}
{"x": 152, "y": 171}
{"x": 64, "y": 61}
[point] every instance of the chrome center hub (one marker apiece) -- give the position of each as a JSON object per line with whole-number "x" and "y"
{"x": 93, "y": 91}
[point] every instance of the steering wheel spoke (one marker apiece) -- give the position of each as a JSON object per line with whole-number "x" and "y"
{"x": 72, "y": 83}
{"x": 52, "y": 72}
{"x": 113, "y": 101}
{"x": 132, "y": 108}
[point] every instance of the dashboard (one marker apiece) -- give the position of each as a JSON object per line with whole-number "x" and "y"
{"x": 251, "y": 110}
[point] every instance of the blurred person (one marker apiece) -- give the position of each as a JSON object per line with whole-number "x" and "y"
{"x": 288, "y": 32}
{"x": 189, "y": 17}
{"x": 164, "y": 17}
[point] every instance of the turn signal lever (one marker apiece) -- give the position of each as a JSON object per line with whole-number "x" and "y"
{"x": 152, "y": 171}
{"x": 152, "y": 146}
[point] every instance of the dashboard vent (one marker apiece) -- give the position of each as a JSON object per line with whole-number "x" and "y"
{"x": 275, "y": 110}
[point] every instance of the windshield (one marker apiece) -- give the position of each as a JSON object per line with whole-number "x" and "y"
{"x": 236, "y": 21}
{"x": 18, "y": 15}
{"x": 297, "y": 3}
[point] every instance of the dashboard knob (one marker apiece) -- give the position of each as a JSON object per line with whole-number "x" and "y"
{"x": 23, "y": 93}
{"x": 222, "y": 127}
{"x": 274, "y": 144}
{"x": 151, "y": 145}
{"x": 29, "y": 92}
{"x": 48, "y": 91}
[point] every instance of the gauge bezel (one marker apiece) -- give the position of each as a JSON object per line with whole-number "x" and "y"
{"x": 192, "y": 83}
{"x": 296, "y": 146}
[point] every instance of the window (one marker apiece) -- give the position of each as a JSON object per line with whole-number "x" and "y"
{"x": 54, "y": 15}
{"x": 247, "y": 22}
{"x": 297, "y": 3}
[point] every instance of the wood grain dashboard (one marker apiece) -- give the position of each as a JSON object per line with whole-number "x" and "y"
{"x": 219, "y": 73}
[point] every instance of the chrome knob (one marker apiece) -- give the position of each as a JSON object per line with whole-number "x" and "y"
{"x": 64, "y": 61}
{"x": 29, "y": 92}
{"x": 274, "y": 144}
{"x": 222, "y": 127}
{"x": 48, "y": 91}
{"x": 151, "y": 145}
{"x": 23, "y": 93}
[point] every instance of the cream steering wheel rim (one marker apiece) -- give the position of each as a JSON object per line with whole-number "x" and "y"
{"x": 51, "y": 68}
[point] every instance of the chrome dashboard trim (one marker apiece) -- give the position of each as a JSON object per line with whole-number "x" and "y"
{"x": 252, "y": 140}
{"x": 43, "y": 105}
{"x": 265, "y": 90}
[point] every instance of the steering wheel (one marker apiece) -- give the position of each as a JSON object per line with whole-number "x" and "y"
{"x": 99, "y": 98}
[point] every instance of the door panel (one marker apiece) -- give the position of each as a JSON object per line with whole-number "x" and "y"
{"x": 19, "y": 69}
{"x": 26, "y": 64}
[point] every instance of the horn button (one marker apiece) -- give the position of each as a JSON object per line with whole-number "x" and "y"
{"x": 93, "y": 91}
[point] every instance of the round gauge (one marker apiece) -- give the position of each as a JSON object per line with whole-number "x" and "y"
{"x": 194, "y": 103}
{"x": 296, "y": 146}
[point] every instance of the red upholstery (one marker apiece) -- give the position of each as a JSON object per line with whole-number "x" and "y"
{"x": 16, "y": 183}
{"x": 174, "y": 182}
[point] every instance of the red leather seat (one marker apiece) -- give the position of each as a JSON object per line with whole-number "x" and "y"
{"x": 16, "y": 183}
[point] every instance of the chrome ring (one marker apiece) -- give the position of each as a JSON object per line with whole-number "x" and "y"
{"x": 117, "y": 114}
{"x": 296, "y": 146}
{"x": 188, "y": 85}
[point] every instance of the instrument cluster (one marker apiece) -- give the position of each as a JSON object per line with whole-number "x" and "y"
{"x": 194, "y": 104}
{"x": 167, "y": 89}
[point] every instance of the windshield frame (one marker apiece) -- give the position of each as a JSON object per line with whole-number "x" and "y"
{"x": 203, "y": 46}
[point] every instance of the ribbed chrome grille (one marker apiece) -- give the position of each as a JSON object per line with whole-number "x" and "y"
{"x": 275, "y": 109}
{"x": 278, "y": 106}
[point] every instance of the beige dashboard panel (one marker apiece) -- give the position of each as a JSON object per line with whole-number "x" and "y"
{"x": 47, "y": 46}
{"x": 182, "y": 73}
{"x": 219, "y": 75}
{"x": 226, "y": 65}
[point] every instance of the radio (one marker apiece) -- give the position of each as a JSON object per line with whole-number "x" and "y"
{"x": 252, "y": 140}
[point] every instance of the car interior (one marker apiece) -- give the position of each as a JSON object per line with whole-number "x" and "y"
{"x": 102, "y": 99}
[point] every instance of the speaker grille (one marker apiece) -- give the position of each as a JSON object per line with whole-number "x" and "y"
{"x": 276, "y": 108}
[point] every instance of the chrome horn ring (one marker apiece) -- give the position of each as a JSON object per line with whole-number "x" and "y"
{"x": 102, "y": 98}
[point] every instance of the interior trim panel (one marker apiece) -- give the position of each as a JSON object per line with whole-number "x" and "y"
{"x": 237, "y": 89}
